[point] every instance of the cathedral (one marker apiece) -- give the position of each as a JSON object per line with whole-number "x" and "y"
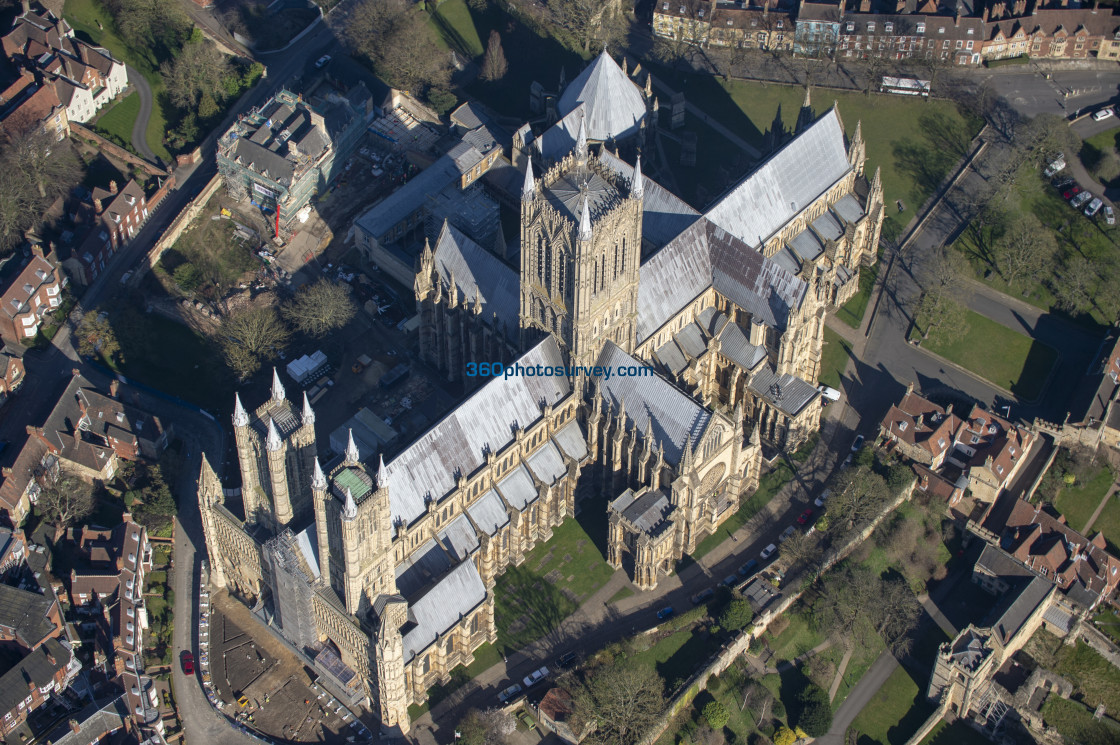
{"x": 691, "y": 343}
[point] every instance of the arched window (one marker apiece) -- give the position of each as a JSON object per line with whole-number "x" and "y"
{"x": 540, "y": 259}
{"x": 560, "y": 277}
{"x": 548, "y": 269}
{"x": 624, "y": 255}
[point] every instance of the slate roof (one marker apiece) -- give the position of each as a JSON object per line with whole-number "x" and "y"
{"x": 670, "y": 355}
{"x": 672, "y": 278}
{"x": 486, "y": 419}
{"x": 787, "y": 393}
{"x": 488, "y": 512}
{"x": 559, "y": 139}
{"x": 459, "y": 538}
{"x": 24, "y": 615}
{"x": 94, "y": 722}
{"x": 34, "y": 668}
{"x": 786, "y": 183}
{"x": 648, "y": 513}
{"x": 1009, "y": 623}
{"x": 676, "y": 417}
{"x": 664, "y": 214}
{"x": 383, "y": 216}
{"x": 736, "y": 346}
{"x": 443, "y": 606}
{"x": 807, "y": 245}
{"x": 479, "y": 273}
{"x": 614, "y": 104}
{"x": 827, "y": 226}
{"x": 420, "y": 567}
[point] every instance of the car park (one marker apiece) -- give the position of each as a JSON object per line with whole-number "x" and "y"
{"x": 819, "y": 501}
{"x": 749, "y": 568}
{"x": 804, "y": 516}
{"x": 857, "y": 443}
{"x": 186, "y": 659}
{"x": 1080, "y": 200}
{"x": 786, "y": 534}
{"x": 1109, "y": 215}
{"x": 566, "y": 660}
{"x": 1102, "y": 114}
{"x": 535, "y": 677}
{"x": 1071, "y": 192}
{"x": 768, "y": 552}
{"x": 665, "y": 612}
{"x": 1093, "y": 207}
{"x": 703, "y": 596}
{"x": 507, "y": 695}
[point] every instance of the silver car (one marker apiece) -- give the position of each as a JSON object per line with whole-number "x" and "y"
{"x": 1080, "y": 200}
{"x": 1109, "y": 215}
{"x": 1094, "y": 207}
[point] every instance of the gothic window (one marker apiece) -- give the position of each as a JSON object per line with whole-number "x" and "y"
{"x": 560, "y": 277}
{"x": 540, "y": 310}
{"x": 595, "y": 286}
{"x": 540, "y": 259}
{"x": 712, "y": 479}
{"x": 624, "y": 255}
{"x": 425, "y": 664}
{"x": 548, "y": 269}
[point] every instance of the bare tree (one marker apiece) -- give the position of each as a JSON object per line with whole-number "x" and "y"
{"x": 1025, "y": 249}
{"x": 588, "y": 21}
{"x": 800, "y": 550}
{"x": 65, "y": 502}
{"x": 941, "y": 316}
{"x": 622, "y": 700}
{"x": 1074, "y": 286}
{"x": 195, "y": 78}
{"x": 396, "y": 38}
{"x": 321, "y": 308}
{"x": 251, "y": 336}
{"x": 494, "y": 63}
{"x": 859, "y": 497}
{"x": 95, "y": 336}
{"x": 43, "y": 165}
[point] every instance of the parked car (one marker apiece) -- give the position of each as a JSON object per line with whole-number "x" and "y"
{"x": 665, "y": 612}
{"x": 829, "y": 394}
{"x": 1081, "y": 199}
{"x": 703, "y": 596}
{"x": 566, "y": 660}
{"x": 804, "y": 516}
{"x": 768, "y": 552}
{"x": 126, "y": 276}
{"x": 186, "y": 659}
{"x": 819, "y": 501}
{"x": 1063, "y": 182}
{"x": 1093, "y": 207}
{"x": 1102, "y": 114}
{"x": 786, "y": 534}
{"x": 535, "y": 677}
{"x": 1109, "y": 215}
{"x": 507, "y": 695}
{"x": 857, "y": 443}
{"x": 1071, "y": 192}
{"x": 847, "y": 462}
{"x": 322, "y": 62}
{"x": 730, "y": 580}
{"x": 1055, "y": 166}
{"x": 749, "y": 568}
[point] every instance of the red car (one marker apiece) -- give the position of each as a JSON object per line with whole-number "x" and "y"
{"x": 186, "y": 659}
{"x": 805, "y": 516}
{"x": 1071, "y": 192}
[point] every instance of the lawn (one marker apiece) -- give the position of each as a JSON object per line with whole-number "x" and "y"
{"x": 83, "y": 16}
{"x": 915, "y": 143}
{"x": 1095, "y": 680}
{"x": 852, "y": 311}
{"x": 835, "y": 354}
{"x": 533, "y": 599}
{"x": 117, "y": 120}
{"x": 622, "y": 594}
{"x": 957, "y": 733}
{"x": 1022, "y": 365}
{"x": 1108, "y": 522}
{"x": 893, "y": 715}
{"x": 1076, "y": 723}
{"x": 1077, "y": 503}
{"x": 1108, "y": 621}
{"x": 452, "y": 19}
{"x": 678, "y": 656}
{"x": 768, "y": 485}
{"x": 796, "y": 639}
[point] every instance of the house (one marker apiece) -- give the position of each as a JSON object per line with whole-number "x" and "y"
{"x": 920, "y": 429}
{"x": 28, "y": 292}
{"x": 555, "y": 713}
{"x": 29, "y": 105}
{"x": 11, "y": 371}
{"x": 89, "y": 431}
{"x": 22, "y": 478}
{"x": 27, "y": 619}
{"x": 115, "y": 217}
{"x": 766, "y": 25}
{"x": 31, "y": 682}
{"x": 97, "y": 723}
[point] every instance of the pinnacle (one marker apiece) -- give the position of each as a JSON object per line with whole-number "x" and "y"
{"x": 240, "y": 416}
{"x": 278, "y": 393}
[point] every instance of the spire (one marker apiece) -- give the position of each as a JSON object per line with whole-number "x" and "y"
{"x": 637, "y": 184}
{"x": 308, "y": 413}
{"x": 877, "y": 182}
{"x": 624, "y": 66}
{"x": 277, "y": 387}
{"x": 349, "y": 510}
{"x": 529, "y": 188}
{"x": 581, "y": 139}
{"x": 240, "y": 416}
{"x": 858, "y": 136}
{"x": 382, "y": 474}
{"x": 476, "y": 308}
{"x": 649, "y": 84}
{"x": 426, "y": 254}
{"x": 318, "y": 479}
{"x": 585, "y": 222}
{"x": 352, "y": 454}
{"x": 756, "y": 439}
{"x": 273, "y": 443}
{"x": 649, "y": 436}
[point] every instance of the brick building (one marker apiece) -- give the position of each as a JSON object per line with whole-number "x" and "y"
{"x": 28, "y": 291}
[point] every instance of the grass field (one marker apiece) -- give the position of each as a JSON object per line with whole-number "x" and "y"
{"x": 1077, "y": 503}
{"x": 894, "y": 714}
{"x": 452, "y": 19}
{"x": 622, "y": 594}
{"x": 957, "y": 733}
{"x": 834, "y": 358}
{"x": 1108, "y": 522}
{"x": 852, "y": 311}
{"x": 118, "y": 119}
{"x": 796, "y": 639}
{"x": 1076, "y": 723}
{"x": 532, "y": 599}
{"x": 678, "y": 655}
{"x": 1095, "y": 680}
{"x": 1021, "y": 366}
{"x": 83, "y": 16}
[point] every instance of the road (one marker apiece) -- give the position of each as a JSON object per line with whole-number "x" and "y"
{"x": 140, "y": 126}
{"x": 1030, "y": 92}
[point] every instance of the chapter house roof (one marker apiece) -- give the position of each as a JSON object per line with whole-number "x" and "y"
{"x": 613, "y": 104}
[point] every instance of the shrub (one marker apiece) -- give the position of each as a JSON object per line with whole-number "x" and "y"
{"x": 784, "y": 736}
{"x": 816, "y": 712}
{"x": 737, "y": 615}
{"x": 716, "y": 715}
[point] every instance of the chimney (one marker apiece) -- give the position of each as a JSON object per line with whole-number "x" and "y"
{"x": 97, "y": 206}
{"x": 74, "y": 726}
{"x": 37, "y": 249}
{"x": 948, "y": 410}
{"x": 957, "y": 19}
{"x": 113, "y": 187}
{"x": 50, "y": 658}
{"x": 114, "y": 386}
{"x": 984, "y": 16}
{"x": 909, "y": 388}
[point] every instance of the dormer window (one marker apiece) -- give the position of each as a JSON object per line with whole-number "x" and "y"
{"x": 851, "y": 27}
{"x": 41, "y": 274}
{"x": 941, "y": 442}
{"x": 665, "y": 6}
{"x": 729, "y": 23}
{"x": 940, "y": 29}
{"x": 970, "y": 32}
{"x": 781, "y": 24}
{"x": 682, "y": 10}
{"x": 902, "y": 426}
{"x": 700, "y": 13}
{"x": 888, "y": 27}
{"x": 871, "y": 28}
{"x": 999, "y": 470}
{"x": 921, "y": 28}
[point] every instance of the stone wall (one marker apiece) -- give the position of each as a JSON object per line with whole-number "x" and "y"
{"x": 87, "y": 134}
{"x": 178, "y": 225}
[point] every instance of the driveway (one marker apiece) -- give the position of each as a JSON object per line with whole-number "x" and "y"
{"x": 140, "y": 126}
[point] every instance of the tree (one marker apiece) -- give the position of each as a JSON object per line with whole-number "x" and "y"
{"x": 187, "y": 276}
{"x": 43, "y": 164}
{"x": 95, "y": 336}
{"x": 858, "y": 497}
{"x": 587, "y": 21}
{"x": 716, "y": 715}
{"x": 1025, "y": 249}
{"x": 65, "y": 502}
{"x": 321, "y": 308}
{"x": 251, "y": 336}
{"x": 816, "y": 713}
{"x": 486, "y": 727}
{"x": 194, "y": 79}
{"x": 787, "y": 736}
{"x": 400, "y": 44}
{"x": 494, "y": 64}
{"x": 941, "y": 316}
{"x": 736, "y": 615}
{"x": 799, "y": 550}
{"x": 622, "y": 700}
{"x": 1073, "y": 288}
{"x": 1046, "y": 135}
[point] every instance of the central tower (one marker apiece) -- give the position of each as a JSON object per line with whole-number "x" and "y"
{"x": 581, "y": 242}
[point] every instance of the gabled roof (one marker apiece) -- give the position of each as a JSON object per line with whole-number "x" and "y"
{"x": 485, "y": 420}
{"x": 454, "y": 596}
{"x": 790, "y": 180}
{"x": 25, "y": 615}
{"x": 38, "y": 668}
{"x": 478, "y": 273}
{"x": 613, "y": 103}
